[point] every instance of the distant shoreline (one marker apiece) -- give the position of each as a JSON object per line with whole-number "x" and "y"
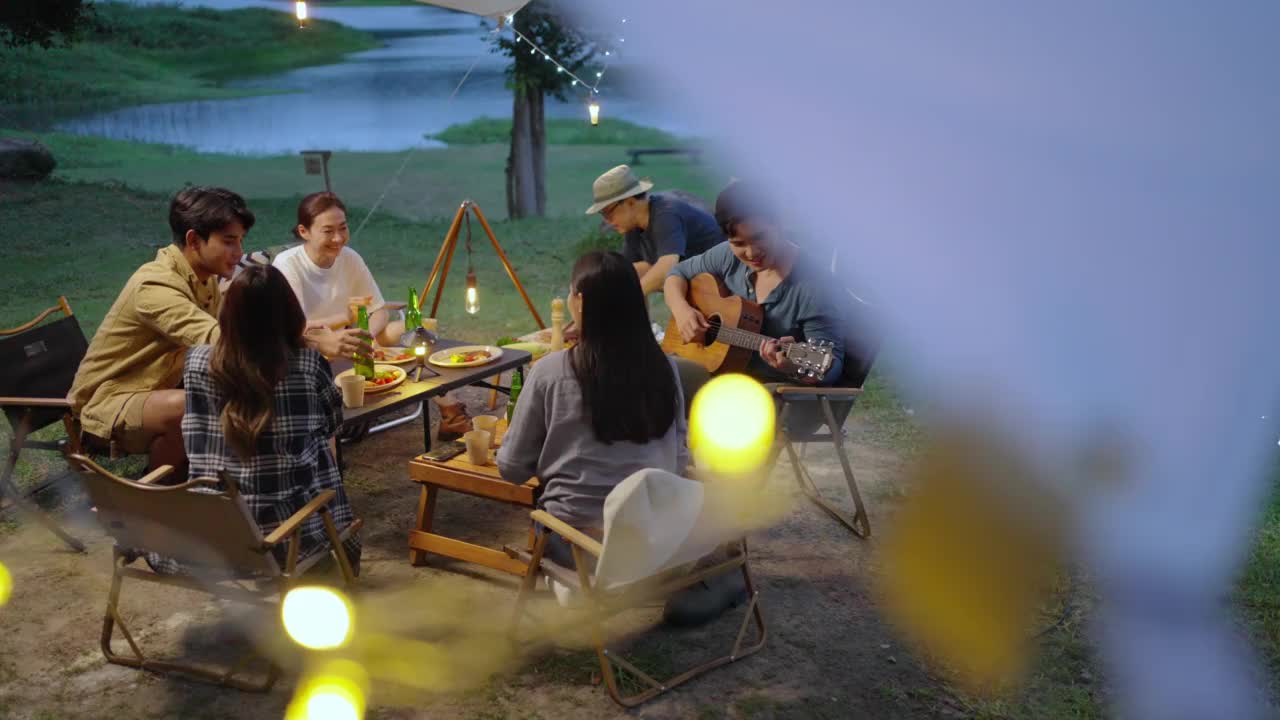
{"x": 133, "y": 55}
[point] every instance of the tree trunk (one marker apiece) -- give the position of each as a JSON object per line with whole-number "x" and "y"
{"x": 527, "y": 160}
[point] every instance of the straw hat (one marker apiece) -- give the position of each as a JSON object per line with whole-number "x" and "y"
{"x": 653, "y": 521}
{"x": 617, "y": 184}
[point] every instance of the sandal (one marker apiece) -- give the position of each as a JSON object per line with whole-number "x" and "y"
{"x": 454, "y": 421}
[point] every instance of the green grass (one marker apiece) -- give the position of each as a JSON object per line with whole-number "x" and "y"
{"x": 432, "y": 184}
{"x": 1258, "y": 591}
{"x": 562, "y": 131}
{"x": 132, "y": 54}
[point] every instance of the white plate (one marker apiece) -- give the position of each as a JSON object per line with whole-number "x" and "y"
{"x": 395, "y": 351}
{"x": 370, "y": 387}
{"x": 441, "y": 357}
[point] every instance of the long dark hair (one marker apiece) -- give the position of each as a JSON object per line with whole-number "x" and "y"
{"x": 262, "y": 325}
{"x": 628, "y": 386}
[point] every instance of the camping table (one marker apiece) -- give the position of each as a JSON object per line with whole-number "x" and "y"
{"x": 409, "y": 392}
{"x": 459, "y": 475}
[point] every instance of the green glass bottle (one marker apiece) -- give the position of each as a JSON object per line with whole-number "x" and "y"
{"x": 412, "y": 314}
{"x": 517, "y": 382}
{"x": 363, "y": 363}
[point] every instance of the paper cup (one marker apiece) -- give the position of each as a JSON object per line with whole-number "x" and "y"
{"x": 477, "y": 446}
{"x": 430, "y": 324}
{"x": 489, "y": 424}
{"x": 352, "y": 390}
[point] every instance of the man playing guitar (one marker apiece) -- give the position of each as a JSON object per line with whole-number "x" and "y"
{"x": 758, "y": 264}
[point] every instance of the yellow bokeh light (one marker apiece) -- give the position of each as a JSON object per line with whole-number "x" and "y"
{"x": 335, "y": 692}
{"x": 6, "y": 584}
{"x": 731, "y": 425}
{"x": 318, "y": 618}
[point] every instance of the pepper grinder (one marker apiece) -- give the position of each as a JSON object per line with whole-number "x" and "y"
{"x": 557, "y": 324}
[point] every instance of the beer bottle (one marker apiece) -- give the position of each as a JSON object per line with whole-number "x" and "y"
{"x": 517, "y": 381}
{"x": 412, "y": 315}
{"x": 363, "y": 363}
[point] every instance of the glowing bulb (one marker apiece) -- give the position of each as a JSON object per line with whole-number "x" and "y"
{"x": 300, "y": 9}
{"x": 600, "y": 74}
{"x": 6, "y": 585}
{"x": 420, "y": 350}
{"x": 594, "y": 108}
{"x": 473, "y": 294}
{"x": 533, "y": 51}
{"x": 559, "y": 69}
{"x": 731, "y": 425}
{"x": 335, "y": 692}
{"x": 606, "y": 53}
{"x": 575, "y": 83}
{"x": 315, "y": 617}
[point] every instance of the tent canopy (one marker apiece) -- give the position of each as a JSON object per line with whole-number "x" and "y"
{"x": 486, "y": 8}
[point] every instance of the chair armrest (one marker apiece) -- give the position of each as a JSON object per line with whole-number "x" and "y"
{"x": 157, "y": 474}
{"x": 564, "y": 530}
{"x": 36, "y": 402}
{"x": 287, "y": 527}
{"x": 817, "y": 390}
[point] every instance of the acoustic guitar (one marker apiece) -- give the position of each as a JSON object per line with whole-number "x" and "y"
{"x": 734, "y": 333}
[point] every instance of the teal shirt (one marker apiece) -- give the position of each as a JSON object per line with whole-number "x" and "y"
{"x": 795, "y": 308}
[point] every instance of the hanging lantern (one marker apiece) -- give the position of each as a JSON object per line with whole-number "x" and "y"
{"x": 593, "y": 107}
{"x": 300, "y": 10}
{"x": 473, "y": 295}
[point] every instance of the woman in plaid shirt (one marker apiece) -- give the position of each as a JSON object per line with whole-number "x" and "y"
{"x": 262, "y": 408}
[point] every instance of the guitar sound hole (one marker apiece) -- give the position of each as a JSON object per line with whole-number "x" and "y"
{"x": 713, "y": 330}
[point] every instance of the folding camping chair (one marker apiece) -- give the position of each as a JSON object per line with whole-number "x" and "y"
{"x": 208, "y": 530}
{"x": 605, "y": 598}
{"x": 835, "y": 403}
{"x": 37, "y": 366}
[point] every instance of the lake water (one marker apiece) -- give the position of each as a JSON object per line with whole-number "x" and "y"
{"x": 384, "y": 99}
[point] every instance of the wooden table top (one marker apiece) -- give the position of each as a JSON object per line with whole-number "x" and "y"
{"x": 409, "y": 391}
{"x": 461, "y": 475}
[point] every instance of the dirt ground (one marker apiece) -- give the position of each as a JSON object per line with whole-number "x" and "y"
{"x": 828, "y": 653}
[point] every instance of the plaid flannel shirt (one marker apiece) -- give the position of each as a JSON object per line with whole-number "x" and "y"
{"x": 293, "y": 463}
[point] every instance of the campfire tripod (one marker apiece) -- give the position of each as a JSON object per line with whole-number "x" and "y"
{"x": 444, "y": 259}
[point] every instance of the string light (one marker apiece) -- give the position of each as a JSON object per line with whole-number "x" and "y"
{"x": 593, "y": 104}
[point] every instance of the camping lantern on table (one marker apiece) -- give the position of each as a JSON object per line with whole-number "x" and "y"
{"x": 420, "y": 340}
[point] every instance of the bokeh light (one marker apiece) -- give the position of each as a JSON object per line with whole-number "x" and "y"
{"x": 731, "y": 425}
{"x": 6, "y": 585}
{"x": 334, "y": 692}
{"x": 318, "y": 618}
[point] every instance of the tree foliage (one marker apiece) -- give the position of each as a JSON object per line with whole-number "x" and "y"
{"x": 41, "y": 22}
{"x": 530, "y": 72}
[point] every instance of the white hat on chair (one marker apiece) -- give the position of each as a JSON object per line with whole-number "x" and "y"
{"x": 653, "y": 521}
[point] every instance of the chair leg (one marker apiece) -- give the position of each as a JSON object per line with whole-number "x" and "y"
{"x": 529, "y": 582}
{"x": 657, "y": 687}
{"x": 339, "y": 552}
{"x": 7, "y": 488}
{"x": 112, "y": 619}
{"x": 860, "y": 525}
{"x": 860, "y": 518}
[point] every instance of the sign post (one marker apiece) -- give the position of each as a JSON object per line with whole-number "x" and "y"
{"x": 316, "y": 162}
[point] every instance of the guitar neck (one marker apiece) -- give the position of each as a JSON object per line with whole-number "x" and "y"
{"x": 740, "y": 338}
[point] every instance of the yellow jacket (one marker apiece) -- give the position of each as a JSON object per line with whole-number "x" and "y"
{"x": 142, "y": 344}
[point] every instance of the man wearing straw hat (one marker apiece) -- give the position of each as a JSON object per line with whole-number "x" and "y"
{"x": 659, "y": 229}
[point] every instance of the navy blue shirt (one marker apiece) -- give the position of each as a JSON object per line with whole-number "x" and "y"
{"x": 675, "y": 228}
{"x": 795, "y": 308}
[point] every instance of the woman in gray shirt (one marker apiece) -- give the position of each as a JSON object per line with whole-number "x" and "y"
{"x": 591, "y": 415}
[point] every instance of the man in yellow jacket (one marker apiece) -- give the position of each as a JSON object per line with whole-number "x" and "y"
{"x": 126, "y": 390}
